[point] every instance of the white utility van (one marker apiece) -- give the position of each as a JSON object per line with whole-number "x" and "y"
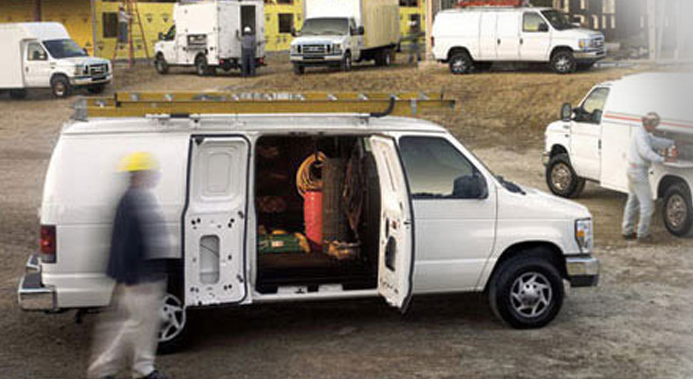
{"x": 419, "y": 213}
{"x": 42, "y": 55}
{"x": 591, "y": 142}
{"x": 340, "y": 32}
{"x": 474, "y": 38}
{"x": 205, "y": 35}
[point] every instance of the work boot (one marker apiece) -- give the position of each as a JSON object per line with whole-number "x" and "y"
{"x": 156, "y": 375}
{"x": 630, "y": 237}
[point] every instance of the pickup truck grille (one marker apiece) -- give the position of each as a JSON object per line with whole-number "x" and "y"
{"x": 598, "y": 43}
{"x": 98, "y": 69}
{"x": 314, "y": 49}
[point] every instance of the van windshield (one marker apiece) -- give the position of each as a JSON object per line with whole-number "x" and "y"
{"x": 325, "y": 27}
{"x": 558, "y": 20}
{"x": 64, "y": 48}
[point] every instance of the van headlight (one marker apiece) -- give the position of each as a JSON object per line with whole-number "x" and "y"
{"x": 81, "y": 69}
{"x": 295, "y": 49}
{"x": 584, "y": 44}
{"x": 337, "y": 48}
{"x": 584, "y": 235}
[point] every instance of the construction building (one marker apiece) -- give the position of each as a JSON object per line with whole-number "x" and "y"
{"x": 93, "y": 23}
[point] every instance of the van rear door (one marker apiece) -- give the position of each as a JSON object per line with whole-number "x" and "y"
{"x": 215, "y": 221}
{"x": 396, "y": 256}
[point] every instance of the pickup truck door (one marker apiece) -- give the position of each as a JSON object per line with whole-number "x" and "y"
{"x": 396, "y": 256}
{"x": 215, "y": 221}
{"x": 535, "y": 40}
{"x": 508, "y": 36}
{"x": 586, "y": 135}
{"x": 37, "y": 65}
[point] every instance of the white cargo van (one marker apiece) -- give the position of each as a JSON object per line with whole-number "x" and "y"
{"x": 425, "y": 216}
{"x": 591, "y": 142}
{"x": 340, "y": 32}
{"x": 205, "y": 35}
{"x": 474, "y": 38}
{"x": 42, "y": 55}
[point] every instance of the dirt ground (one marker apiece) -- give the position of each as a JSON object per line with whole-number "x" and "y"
{"x": 637, "y": 324}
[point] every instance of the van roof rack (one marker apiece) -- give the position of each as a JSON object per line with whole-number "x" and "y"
{"x": 183, "y": 104}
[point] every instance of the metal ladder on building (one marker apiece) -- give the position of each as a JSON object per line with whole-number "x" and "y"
{"x": 190, "y": 104}
{"x": 132, "y": 10}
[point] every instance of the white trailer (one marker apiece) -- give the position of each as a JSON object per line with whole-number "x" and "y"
{"x": 340, "y": 32}
{"x": 207, "y": 34}
{"x": 42, "y": 55}
{"x": 591, "y": 142}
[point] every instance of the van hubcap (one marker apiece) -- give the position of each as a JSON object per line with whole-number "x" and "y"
{"x": 60, "y": 89}
{"x": 459, "y": 65}
{"x": 676, "y": 210}
{"x": 531, "y": 294}
{"x": 173, "y": 318}
{"x": 561, "y": 177}
{"x": 563, "y": 64}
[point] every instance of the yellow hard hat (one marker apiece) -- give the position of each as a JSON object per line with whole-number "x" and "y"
{"x": 139, "y": 161}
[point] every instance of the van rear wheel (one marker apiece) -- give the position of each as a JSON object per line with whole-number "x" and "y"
{"x": 173, "y": 332}
{"x": 527, "y": 291}
{"x": 60, "y": 86}
{"x": 562, "y": 179}
{"x": 201, "y": 65}
{"x": 677, "y": 211}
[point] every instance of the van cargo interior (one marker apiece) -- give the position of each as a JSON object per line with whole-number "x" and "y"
{"x": 318, "y": 209}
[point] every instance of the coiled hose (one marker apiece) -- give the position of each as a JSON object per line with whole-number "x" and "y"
{"x": 306, "y": 181}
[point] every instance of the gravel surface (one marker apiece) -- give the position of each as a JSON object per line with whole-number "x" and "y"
{"x": 637, "y": 324}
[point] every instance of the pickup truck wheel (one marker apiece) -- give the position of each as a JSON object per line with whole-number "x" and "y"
{"x": 173, "y": 333}
{"x": 527, "y": 292}
{"x": 677, "y": 211}
{"x": 60, "y": 87}
{"x": 299, "y": 69}
{"x": 161, "y": 65}
{"x": 461, "y": 63}
{"x": 346, "y": 62}
{"x": 201, "y": 66}
{"x": 563, "y": 62}
{"x": 562, "y": 179}
{"x": 18, "y": 94}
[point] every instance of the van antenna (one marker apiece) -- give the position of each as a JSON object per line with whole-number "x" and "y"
{"x": 388, "y": 111}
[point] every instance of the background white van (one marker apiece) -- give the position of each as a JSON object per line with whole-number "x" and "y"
{"x": 473, "y": 38}
{"x": 42, "y": 55}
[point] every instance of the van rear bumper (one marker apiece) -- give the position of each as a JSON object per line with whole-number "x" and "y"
{"x": 32, "y": 294}
{"x": 582, "y": 270}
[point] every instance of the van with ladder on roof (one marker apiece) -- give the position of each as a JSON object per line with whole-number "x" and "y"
{"x": 303, "y": 197}
{"x": 591, "y": 142}
{"x": 480, "y": 33}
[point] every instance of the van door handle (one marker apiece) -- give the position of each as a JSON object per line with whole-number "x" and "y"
{"x": 499, "y": 41}
{"x": 522, "y": 41}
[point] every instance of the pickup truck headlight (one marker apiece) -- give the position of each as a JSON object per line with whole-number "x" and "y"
{"x": 81, "y": 70}
{"x": 584, "y": 44}
{"x": 584, "y": 235}
{"x": 337, "y": 48}
{"x": 295, "y": 49}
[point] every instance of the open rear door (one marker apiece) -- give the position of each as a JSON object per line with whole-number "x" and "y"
{"x": 396, "y": 257}
{"x": 215, "y": 221}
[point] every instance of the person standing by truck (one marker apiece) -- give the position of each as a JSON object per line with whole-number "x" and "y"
{"x": 248, "y": 45}
{"x": 413, "y": 38}
{"x": 128, "y": 331}
{"x": 641, "y": 155}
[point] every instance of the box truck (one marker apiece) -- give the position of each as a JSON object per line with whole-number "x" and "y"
{"x": 340, "y": 32}
{"x": 206, "y": 35}
{"x": 42, "y": 55}
{"x": 591, "y": 142}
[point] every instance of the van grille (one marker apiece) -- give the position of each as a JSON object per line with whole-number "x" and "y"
{"x": 98, "y": 69}
{"x": 314, "y": 49}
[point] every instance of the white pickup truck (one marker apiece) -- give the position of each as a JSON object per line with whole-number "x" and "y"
{"x": 42, "y": 55}
{"x": 591, "y": 142}
{"x": 433, "y": 218}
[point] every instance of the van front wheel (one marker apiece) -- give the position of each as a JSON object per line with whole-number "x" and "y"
{"x": 527, "y": 291}
{"x": 60, "y": 86}
{"x": 677, "y": 211}
{"x": 563, "y": 62}
{"x": 562, "y": 179}
{"x": 161, "y": 65}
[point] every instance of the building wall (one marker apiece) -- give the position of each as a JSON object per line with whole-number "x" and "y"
{"x": 278, "y": 40}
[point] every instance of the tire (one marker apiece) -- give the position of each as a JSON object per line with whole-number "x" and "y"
{"x": 18, "y": 94}
{"x": 563, "y": 62}
{"x": 175, "y": 330}
{"x": 161, "y": 65}
{"x": 677, "y": 211}
{"x": 96, "y": 89}
{"x": 527, "y": 291}
{"x": 299, "y": 69}
{"x": 562, "y": 179}
{"x": 461, "y": 63}
{"x": 201, "y": 66}
{"x": 346, "y": 62}
{"x": 60, "y": 87}
{"x": 383, "y": 59}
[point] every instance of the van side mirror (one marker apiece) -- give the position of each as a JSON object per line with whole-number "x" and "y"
{"x": 567, "y": 112}
{"x": 597, "y": 116}
{"x": 360, "y": 31}
{"x": 470, "y": 187}
{"x": 161, "y": 36}
{"x": 543, "y": 27}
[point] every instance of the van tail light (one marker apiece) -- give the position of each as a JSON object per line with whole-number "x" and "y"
{"x": 49, "y": 243}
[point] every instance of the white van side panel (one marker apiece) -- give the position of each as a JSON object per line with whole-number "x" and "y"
{"x": 457, "y": 30}
{"x": 11, "y": 67}
{"x": 80, "y": 200}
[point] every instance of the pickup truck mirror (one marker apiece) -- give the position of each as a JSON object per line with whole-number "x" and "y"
{"x": 161, "y": 36}
{"x": 567, "y": 112}
{"x": 470, "y": 187}
{"x": 360, "y": 31}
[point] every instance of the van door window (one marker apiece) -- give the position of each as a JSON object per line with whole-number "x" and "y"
{"x": 435, "y": 167}
{"x": 534, "y": 23}
{"x": 35, "y": 52}
{"x": 593, "y": 106}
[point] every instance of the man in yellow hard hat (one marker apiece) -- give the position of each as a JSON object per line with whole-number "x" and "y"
{"x": 128, "y": 332}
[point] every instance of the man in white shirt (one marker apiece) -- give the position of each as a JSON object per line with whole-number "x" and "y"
{"x": 641, "y": 155}
{"x": 123, "y": 24}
